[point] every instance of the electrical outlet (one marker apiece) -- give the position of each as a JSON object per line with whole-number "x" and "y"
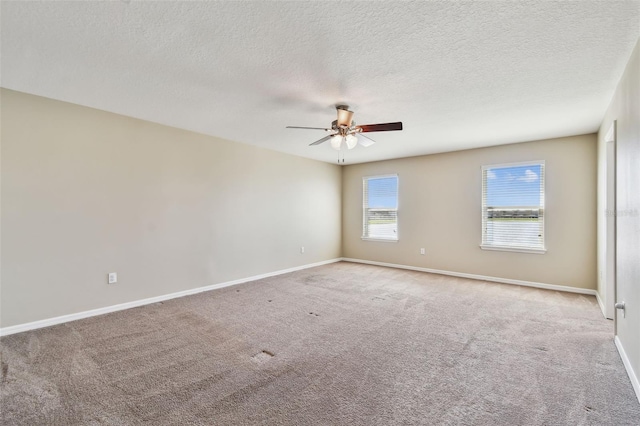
{"x": 113, "y": 278}
{"x": 422, "y": 252}
{"x": 302, "y": 249}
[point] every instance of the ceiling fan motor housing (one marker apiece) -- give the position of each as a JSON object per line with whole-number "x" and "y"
{"x": 343, "y": 129}
{"x": 344, "y": 116}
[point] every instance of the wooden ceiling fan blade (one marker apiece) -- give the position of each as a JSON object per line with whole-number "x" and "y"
{"x": 382, "y": 127}
{"x": 319, "y": 141}
{"x": 365, "y": 140}
{"x": 312, "y": 128}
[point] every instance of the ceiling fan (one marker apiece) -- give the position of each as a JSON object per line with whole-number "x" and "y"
{"x": 344, "y": 130}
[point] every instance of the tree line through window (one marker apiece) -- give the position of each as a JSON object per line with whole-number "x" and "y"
{"x": 513, "y": 206}
{"x": 380, "y": 207}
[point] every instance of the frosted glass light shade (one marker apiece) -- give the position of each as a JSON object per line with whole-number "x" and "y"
{"x": 336, "y": 142}
{"x": 351, "y": 141}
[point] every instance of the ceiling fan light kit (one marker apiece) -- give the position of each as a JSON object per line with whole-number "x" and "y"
{"x": 344, "y": 130}
{"x": 336, "y": 142}
{"x": 351, "y": 141}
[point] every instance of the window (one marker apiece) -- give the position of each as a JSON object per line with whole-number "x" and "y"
{"x": 513, "y": 207}
{"x": 380, "y": 208}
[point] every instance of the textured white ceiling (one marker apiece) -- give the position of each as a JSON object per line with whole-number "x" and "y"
{"x": 457, "y": 74}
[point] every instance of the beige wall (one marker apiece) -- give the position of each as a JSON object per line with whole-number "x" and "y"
{"x": 440, "y": 210}
{"x": 85, "y": 193}
{"x": 625, "y": 108}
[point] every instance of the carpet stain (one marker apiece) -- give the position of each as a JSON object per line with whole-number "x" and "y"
{"x": 5, "y": 371}
{"x": 396, "y": 296}
{"x": 82, "y": 364}
{"x": 33, "y": 347}
{"x": 262, "y": 356}
{"x": 311, "y": 279}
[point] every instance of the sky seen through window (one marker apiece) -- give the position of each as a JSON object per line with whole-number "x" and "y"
{"x": 517, "y": 186}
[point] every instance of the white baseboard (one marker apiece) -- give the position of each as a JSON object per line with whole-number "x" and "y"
{"x": 107, "y": 309}
{"x": 127, "y": 305}
{"x": 480, "y": 277}
{"x": 601, "y": 304}
{"x": 627, "y": 365}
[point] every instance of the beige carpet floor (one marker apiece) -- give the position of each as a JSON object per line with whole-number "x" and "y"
{"x": 341, "y": 344}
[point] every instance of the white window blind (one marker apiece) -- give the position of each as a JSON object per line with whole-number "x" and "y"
{"x": 513, "y": 207}
{"x": 380, "y": 207}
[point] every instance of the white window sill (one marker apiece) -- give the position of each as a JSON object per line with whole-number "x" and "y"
{"x": 383, "y": 240}
{"x": 513, "y": 249}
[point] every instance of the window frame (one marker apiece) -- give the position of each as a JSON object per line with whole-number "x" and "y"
{"x": 365, "y": 180}
{"x": 483, "y": 244}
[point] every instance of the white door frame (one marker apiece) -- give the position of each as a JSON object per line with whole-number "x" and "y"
{"x": 610, "y": 244}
